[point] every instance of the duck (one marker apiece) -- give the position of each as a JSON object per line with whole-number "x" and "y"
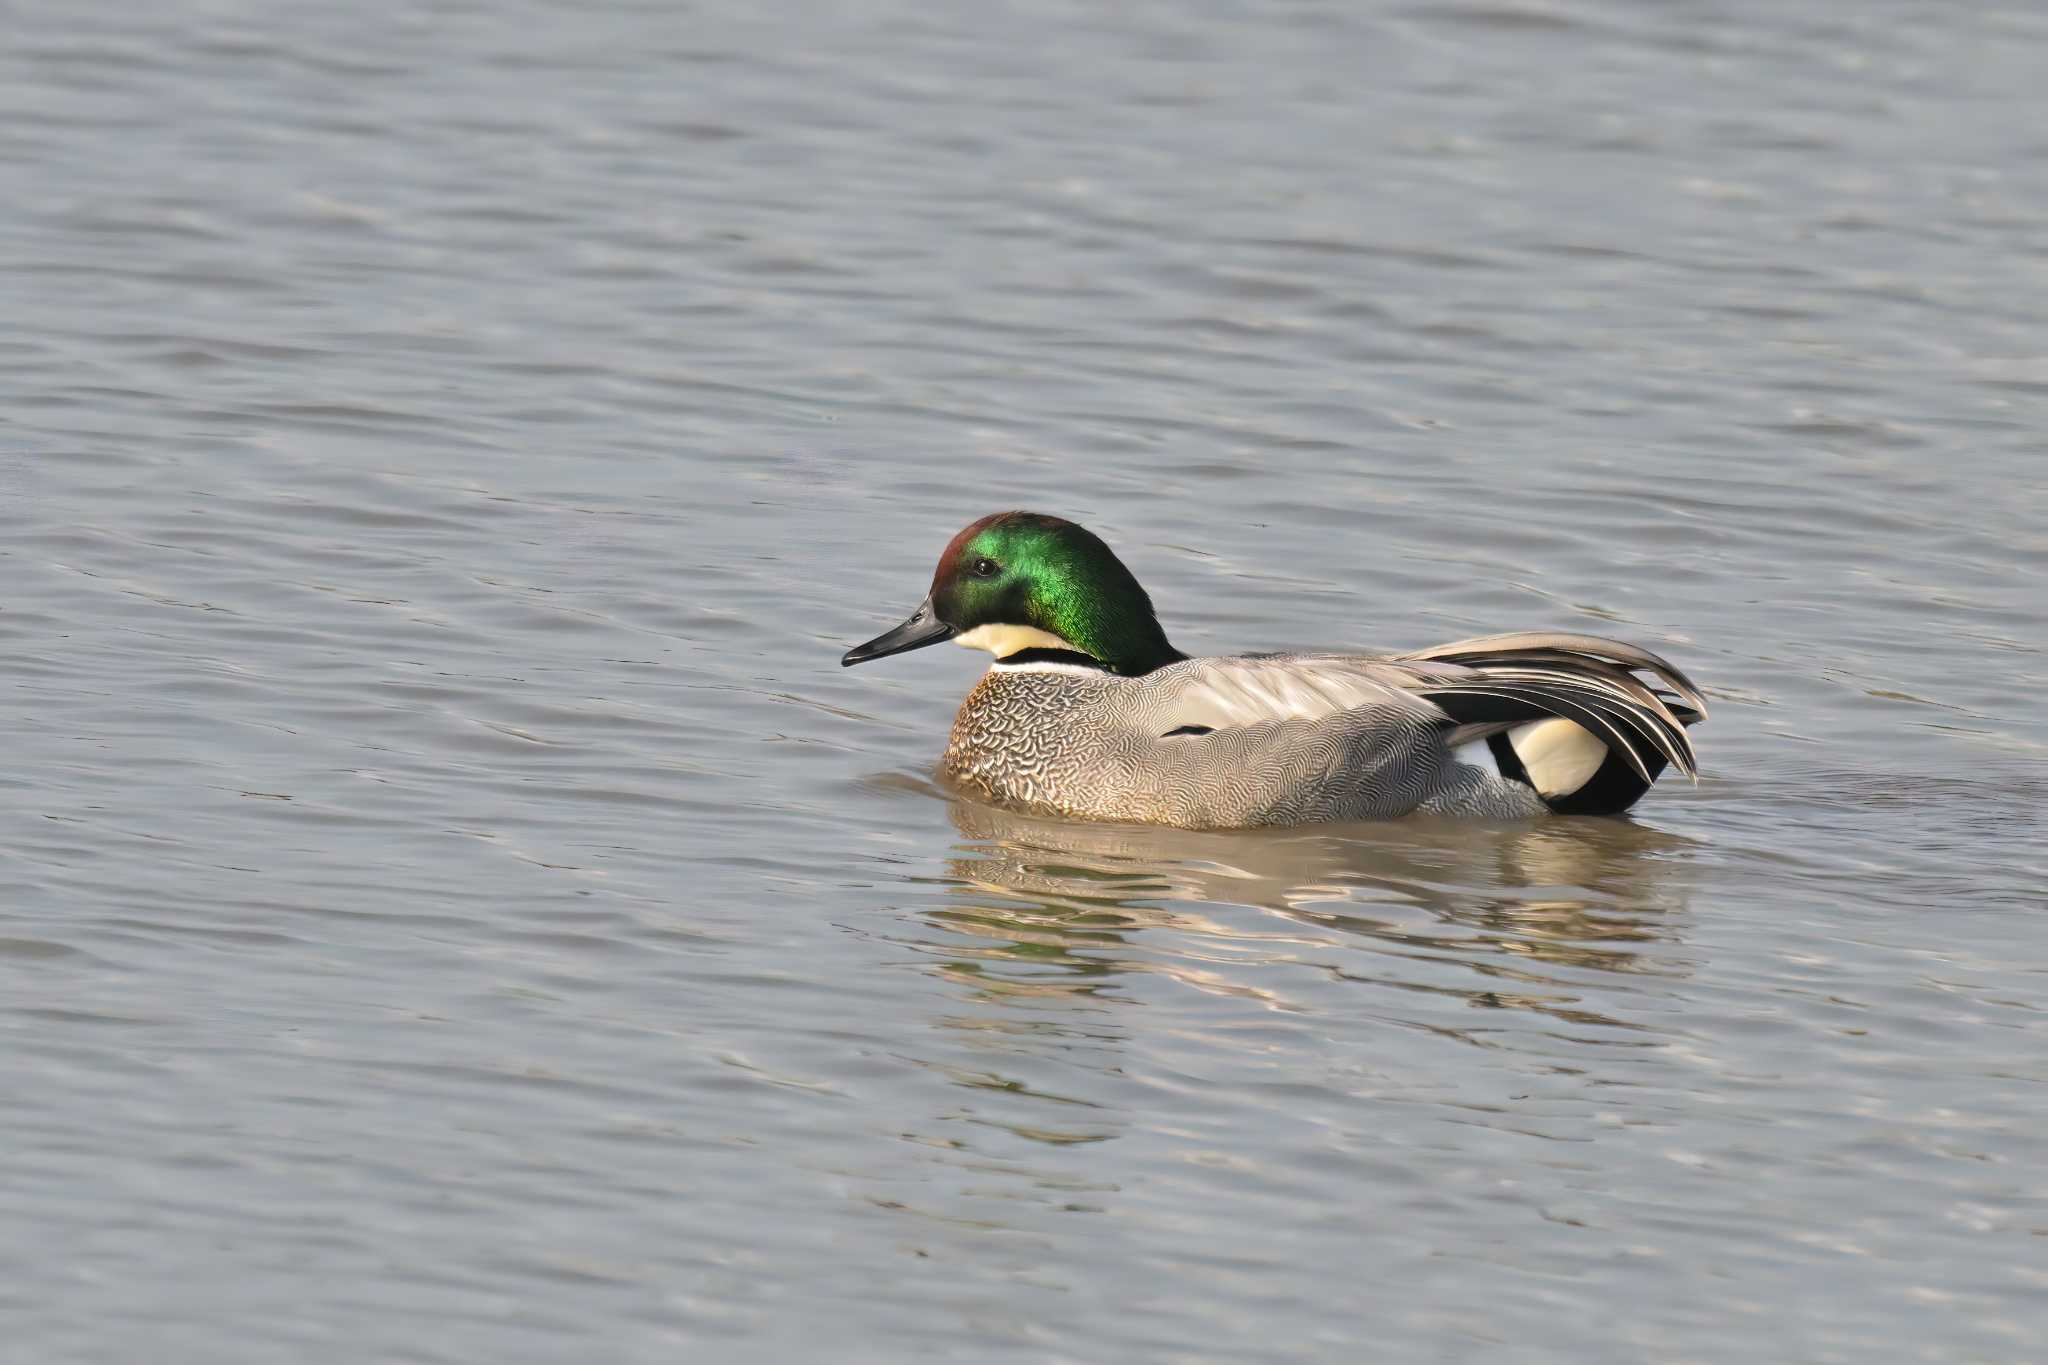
{"x": 1088, "y": 712}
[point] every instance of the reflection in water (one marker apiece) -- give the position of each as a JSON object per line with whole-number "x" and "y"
{"x": 1089, "y": 956}
{"x": 1057, "y": 908}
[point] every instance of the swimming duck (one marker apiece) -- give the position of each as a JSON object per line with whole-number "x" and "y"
{"x": 1088, "y": 711}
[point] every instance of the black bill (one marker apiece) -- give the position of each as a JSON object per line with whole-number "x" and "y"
{"x": 923, "y": 628}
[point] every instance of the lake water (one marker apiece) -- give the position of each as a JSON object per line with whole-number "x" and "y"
{"x": 455, "y": 908}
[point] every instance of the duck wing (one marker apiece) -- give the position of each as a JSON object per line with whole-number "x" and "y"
{"x": 1240, "y": 690}
{"x": 1471, "y": 688}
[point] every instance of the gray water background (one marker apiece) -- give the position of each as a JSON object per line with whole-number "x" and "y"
{"x": 453, "y": 906}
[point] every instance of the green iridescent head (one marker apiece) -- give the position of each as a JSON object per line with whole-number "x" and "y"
{"x": 1020, "y": 581}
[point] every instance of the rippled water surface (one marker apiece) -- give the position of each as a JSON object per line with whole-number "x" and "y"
{"x": 453, "y": 906}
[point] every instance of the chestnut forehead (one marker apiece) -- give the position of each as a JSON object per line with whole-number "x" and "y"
{"x": 957, "y": 546}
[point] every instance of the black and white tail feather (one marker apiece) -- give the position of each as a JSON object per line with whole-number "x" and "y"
{"x": 1528, "y": 681}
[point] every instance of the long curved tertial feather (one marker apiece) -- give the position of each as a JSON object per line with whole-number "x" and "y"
{"x": 1502, "y": 648}
{"x": 1577, "y": 677}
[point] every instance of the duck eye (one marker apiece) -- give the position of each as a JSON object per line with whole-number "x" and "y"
{"x": 984, "y": 568}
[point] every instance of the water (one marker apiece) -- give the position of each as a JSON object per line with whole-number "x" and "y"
{"x": 455, "y": 908}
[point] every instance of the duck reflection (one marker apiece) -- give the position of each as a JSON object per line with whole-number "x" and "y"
{"x": 1057, "y": 908}
{"x": 1075, "y": 947}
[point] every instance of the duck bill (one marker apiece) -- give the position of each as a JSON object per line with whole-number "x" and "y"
{"x": 923, "y": 628}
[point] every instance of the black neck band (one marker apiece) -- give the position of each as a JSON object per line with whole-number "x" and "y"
{"x": 1053, "y": 656}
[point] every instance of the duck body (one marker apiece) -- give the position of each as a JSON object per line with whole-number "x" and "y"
{"x": 1074, "y": 721}
{"x": 1052, "y": 738}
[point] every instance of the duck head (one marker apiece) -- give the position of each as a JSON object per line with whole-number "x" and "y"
{"x": 1020, "y": 581}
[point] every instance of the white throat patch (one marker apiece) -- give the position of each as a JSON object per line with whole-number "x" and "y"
{"x": 1003, "y": 641}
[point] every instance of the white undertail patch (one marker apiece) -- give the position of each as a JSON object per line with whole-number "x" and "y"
{"x": 1559, "y": 756}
